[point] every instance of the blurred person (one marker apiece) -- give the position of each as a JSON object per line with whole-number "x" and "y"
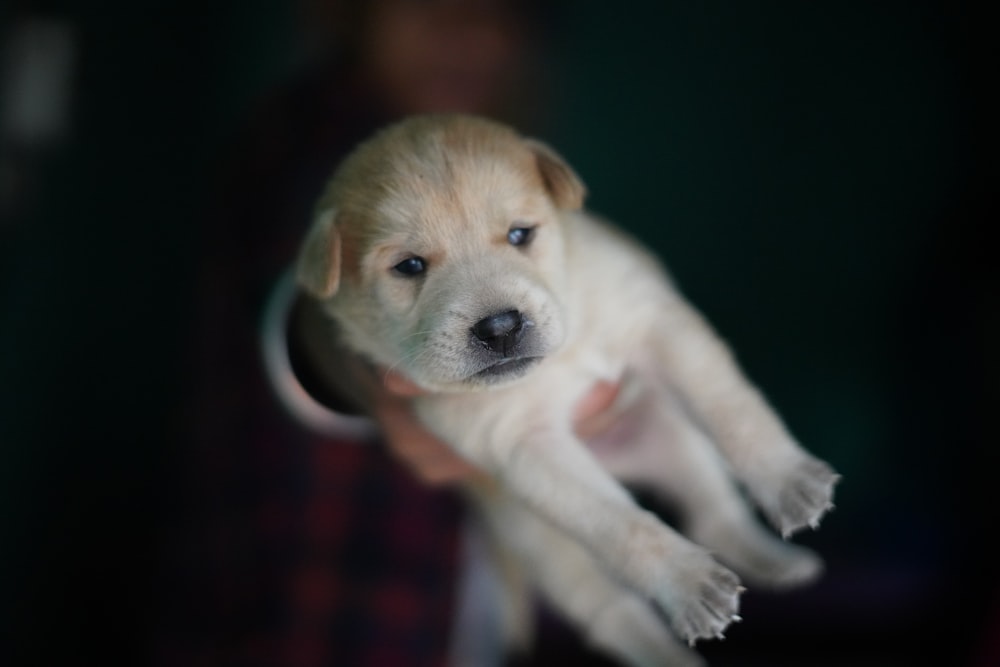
{"x": 301, "y": 541}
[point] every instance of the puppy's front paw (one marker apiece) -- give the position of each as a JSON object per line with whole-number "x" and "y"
{"x": 704, "y": 597}
{"x": 803, "y": 496}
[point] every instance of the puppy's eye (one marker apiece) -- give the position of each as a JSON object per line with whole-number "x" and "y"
{"x": 520, "y": 235}
{"x": 411, "y": 266}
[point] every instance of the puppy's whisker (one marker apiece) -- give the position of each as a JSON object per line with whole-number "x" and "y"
{"x": 414, "y": 334}
{"x": 417, "y": 355}
{"x": 412, "y": 357}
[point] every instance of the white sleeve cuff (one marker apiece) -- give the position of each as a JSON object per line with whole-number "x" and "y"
{"x": 278, "y": 368}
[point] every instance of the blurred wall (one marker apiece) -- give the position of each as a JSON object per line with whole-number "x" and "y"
{"x": 97, "y": 246}
{"x": 817, "y": 177}
{"x": 812, "y": 172}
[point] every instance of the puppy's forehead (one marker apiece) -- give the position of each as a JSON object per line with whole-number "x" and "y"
{"x": 425, "y": 171}
{"x": 460, "y": 179}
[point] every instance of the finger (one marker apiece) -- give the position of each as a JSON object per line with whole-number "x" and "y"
{"x": 431, "y": 459}
{"x": 601, "y": 397}
{"x": 444, "y": 471}
{"x": 598, "y": 424}
{"x": 416, "y": 444}
{"x": 399, "y": 384}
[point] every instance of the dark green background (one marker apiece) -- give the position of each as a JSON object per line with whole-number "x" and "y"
{"x": 815, "y": 174}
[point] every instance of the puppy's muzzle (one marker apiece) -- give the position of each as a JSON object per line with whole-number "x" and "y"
{"x": 501, "y": 332}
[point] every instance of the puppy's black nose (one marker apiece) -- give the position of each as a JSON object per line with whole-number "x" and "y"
{"x": 500, "y": 332}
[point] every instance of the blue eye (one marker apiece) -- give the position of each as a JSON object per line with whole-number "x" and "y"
{"x": 520, "y": 235}
{"x": 411, "y": 266}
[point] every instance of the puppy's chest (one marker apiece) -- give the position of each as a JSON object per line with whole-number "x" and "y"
{"x": 611, "y": 314}
{"x": 605, "y": 343}
{"x": 600, "y": 354}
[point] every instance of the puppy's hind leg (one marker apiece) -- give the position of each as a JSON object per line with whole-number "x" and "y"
{"x": 612, "y": 619}
{"x": 673, "y": 457}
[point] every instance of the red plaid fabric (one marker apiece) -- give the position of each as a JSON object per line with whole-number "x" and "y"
{"x": 311, "y": 552}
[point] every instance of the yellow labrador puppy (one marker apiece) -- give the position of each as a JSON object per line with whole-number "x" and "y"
{"x": 456, "y": 251}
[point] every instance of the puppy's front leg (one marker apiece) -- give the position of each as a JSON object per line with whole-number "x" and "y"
{"x": 793, "y": 488}
{"x": 552, "y": 472}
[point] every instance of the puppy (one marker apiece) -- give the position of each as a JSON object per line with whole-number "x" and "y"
{"x": 454, "y": 250}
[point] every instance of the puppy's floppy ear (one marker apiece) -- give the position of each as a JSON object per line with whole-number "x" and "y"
{"x": 318, "y": 269}
{"x": 564, "y": 186}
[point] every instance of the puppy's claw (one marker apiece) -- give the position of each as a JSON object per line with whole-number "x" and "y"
{"x": 736, "y": 618}
{"x": 804, "y": 496}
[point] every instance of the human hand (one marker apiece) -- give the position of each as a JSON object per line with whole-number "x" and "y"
{"x": 432, "y": 461}
{"x": 437, "y": 464}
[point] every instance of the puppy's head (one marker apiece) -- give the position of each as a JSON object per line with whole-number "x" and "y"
{"x": 438, "y": 248}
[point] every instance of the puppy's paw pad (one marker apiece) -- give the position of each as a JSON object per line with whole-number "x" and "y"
{"x": 807, "y": 494}
{"x": 710, "y": 602}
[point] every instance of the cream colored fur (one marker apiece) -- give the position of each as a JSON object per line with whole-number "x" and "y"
{"x": 595, "y": 306}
